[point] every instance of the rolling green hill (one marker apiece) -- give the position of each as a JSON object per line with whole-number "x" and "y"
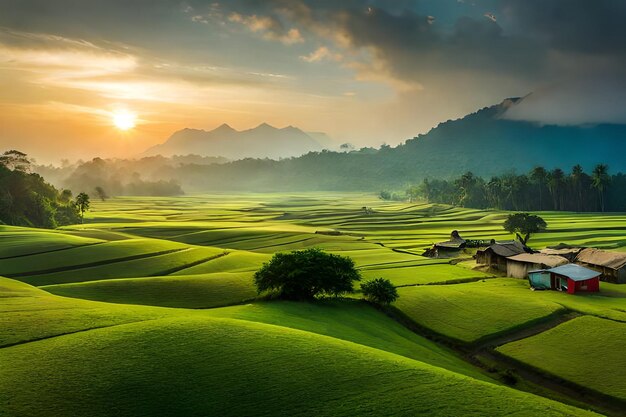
{"x": 199, "y": 366}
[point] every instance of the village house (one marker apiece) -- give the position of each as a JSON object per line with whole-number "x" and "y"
{"x": 496, "y": 255}
{"x": 612, "y": 265}
{"x": 571, "y": 278}
{"x": 448, "y": 249}
{"x": 518, "y": 266}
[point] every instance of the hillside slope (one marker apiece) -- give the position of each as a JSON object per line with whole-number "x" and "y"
{"x": 200, "y": 366}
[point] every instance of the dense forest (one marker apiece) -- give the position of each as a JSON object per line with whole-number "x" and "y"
{"x": 540, "y": 189}
{"x": 27, "y": 200}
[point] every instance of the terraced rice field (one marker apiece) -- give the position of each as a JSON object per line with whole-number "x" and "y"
{"x": 155, "y": 361}
{"x": 587, "y": 350}
{"x": 155, "y": 295}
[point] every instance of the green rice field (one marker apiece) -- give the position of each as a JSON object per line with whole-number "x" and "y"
{"x": 153, "y": 300}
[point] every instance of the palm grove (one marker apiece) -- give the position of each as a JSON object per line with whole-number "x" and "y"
{"x": 540, "y": 189}
{"x": 27, "y": 200}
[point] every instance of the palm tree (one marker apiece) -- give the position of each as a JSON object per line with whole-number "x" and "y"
{"x": 538, "y": 175}
{"x": 555, "y": 183}
{"x": 599, "y": 180}
{"x": 576, "y": 177}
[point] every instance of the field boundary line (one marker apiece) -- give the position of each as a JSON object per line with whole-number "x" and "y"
{"x": 189, "y": 265}
{"x": 449, "y": 282}
{"x": 52, "y": 250}
{"x": 94, "y": 264}
{"x": 39, "y": 339}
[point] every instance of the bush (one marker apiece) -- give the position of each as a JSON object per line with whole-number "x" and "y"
{"x": 303, "y": 275}
{"x": 379, "y": 291}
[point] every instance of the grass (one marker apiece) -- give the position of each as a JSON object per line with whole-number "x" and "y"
{"x": 155, "y": 265}
{"x": 226, "y": 367}
{"x": 471, "y": 311}
{"x": 28, "y": 313}
{"x": 587, "y": 350}
{"x": 185, "y": 291}
{"x": 354, "y": 321}
{"x": 18, "y": 241}
{"x": 140, "y": 270}
{"x": 87, "y": 255}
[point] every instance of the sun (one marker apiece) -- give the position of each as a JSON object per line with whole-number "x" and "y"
{"x": 124, "y": 120}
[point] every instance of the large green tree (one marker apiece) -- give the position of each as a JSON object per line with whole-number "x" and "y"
{"x": 305, "y": 274}
{"x": 524, "y": 224}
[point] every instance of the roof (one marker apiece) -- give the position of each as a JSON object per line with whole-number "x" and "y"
{"x": 592, "y": 256}
{"x": 510, "y": 248}
{"x": 452, "y": 243}
{"x": 540, "y": 258}
{"x": 561, "y": 251}
{"x": 575, "y": 272}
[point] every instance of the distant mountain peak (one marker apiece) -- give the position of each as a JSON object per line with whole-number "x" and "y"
{"x": 263, "y": 141}
{"x": 265, "y": 126}
{"x": 224, "y": 127}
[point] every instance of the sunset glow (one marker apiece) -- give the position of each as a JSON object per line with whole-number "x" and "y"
{"x": 124, "y": 120}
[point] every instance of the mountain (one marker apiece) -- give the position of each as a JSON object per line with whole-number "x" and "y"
{"x": 264, "y": 141}
{"x": 485, "y": 142}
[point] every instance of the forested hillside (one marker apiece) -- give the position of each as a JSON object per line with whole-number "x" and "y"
{"x": 485, "y": 143}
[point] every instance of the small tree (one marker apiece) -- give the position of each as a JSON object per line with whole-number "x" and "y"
{"x": 303, "y": 275}
{"x": 379, "y": 291}
{"x": 524, "y": 223}
{"x": 101, "y": 193}
{"x": 82, "y": 203}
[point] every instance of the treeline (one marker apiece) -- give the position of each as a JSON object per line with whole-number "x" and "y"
{"x": 152, "y": 176}
{"x": 540, "y": 189}
{"x": 26, "y": 199}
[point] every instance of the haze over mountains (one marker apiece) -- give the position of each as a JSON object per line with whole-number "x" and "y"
{"x": 484, "y": 142}
{"x": 264, "y": 141}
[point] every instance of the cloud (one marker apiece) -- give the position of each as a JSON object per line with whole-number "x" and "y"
{"x": 528, "y": 45}
{"x": 573, "y": 102}
{"x": 322, "y": 54}
{"x": 269, "y": 27}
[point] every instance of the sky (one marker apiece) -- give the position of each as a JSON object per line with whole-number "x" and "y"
{"x": 366, "y": 72}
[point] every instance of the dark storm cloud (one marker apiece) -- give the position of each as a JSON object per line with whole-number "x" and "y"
{"x": 568, "y": 51}
{"x": 597, "y": 26}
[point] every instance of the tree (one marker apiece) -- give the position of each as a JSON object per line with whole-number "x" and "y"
{"x": 379, "y": 291}
{"x": 65, "y": 196}
{"x": 599, "y": 180}
{"x": 15, "y": 161}
{"x": 524, "y": 223}
{"x": 539, "y": 175}
{"x": 555, "y": 183}
{"x": 576, "y": 177}
{"x": 82, "y": 203}
{"x": 101, "y": 193}
{"x": 27, "y": 200}
{"x": 305, "y": 274}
